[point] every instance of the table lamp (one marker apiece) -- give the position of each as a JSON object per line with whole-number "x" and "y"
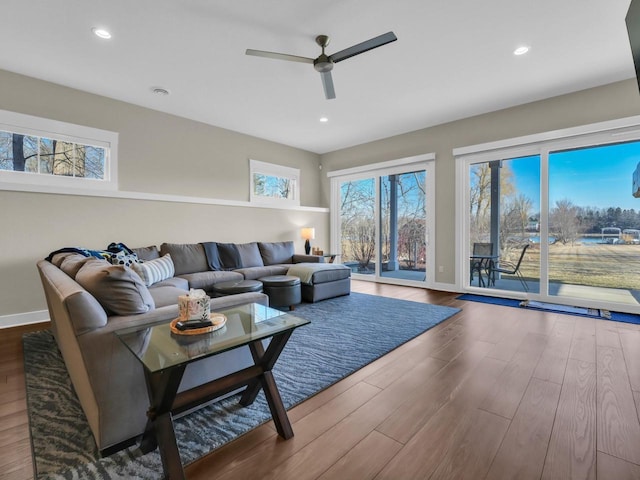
{"x": 307, "y": 233}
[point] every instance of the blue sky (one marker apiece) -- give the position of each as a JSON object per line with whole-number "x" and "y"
{"x": 595, "y": 177}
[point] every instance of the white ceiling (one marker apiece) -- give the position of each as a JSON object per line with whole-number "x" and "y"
{"x": 453, "y": 59}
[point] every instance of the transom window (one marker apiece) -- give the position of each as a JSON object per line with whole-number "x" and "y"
{"x": 274, "y": 184}
{"x": 38, "y": 151}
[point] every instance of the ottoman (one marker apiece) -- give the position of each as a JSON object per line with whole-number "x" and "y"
{"x": 322, "y": 280}
{"x": 236, "y": 286}
{"x": 283, "y": 290}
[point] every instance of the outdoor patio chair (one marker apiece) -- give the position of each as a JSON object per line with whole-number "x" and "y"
{"x": 480, "y": 264}
{"x": 510, "y": 268}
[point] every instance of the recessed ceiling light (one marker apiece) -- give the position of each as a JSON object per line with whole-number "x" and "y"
{"x": 160, "y": 91}
{"x": 324, "y": 119}
{"x": 101, "y": 32}
{"x": 521, "y": 50}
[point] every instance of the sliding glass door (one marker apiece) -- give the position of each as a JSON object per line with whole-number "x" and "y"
{"x": 557, "y": 221}
{"x": 381, "y": 223}
{"x": 504, "y": 215}
{"x": 594, "y": 224}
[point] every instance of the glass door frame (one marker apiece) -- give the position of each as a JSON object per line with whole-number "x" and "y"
{"x": 543, "y": 147}
{"x": 376, "y": 171}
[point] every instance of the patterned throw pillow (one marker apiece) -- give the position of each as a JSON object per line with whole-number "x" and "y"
{"x": 154, "y": 271}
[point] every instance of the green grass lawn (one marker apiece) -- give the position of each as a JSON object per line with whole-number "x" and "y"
{"x": 595, "y": 265}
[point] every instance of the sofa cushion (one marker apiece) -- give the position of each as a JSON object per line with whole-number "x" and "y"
{"x": 165, "y": 295}
{"x": 147, "y": 253}
{"x": 250, "y": 255}
{"x": 72, "y": 263}
{"x": 187, "y": 257}
{"x": 253, "y": 273}
{"x": 154, "y": 271}
{"x": 177, "y": 282}
{"x": 117, "y": 288}
{"x": 276, "y": 252}
{"x": 206, "y": 280}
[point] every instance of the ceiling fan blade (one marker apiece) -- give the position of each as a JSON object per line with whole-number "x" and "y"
{"x": 278, "y": 56}
{"x": 363, "y": 47}
{"x": 327, "y": 84}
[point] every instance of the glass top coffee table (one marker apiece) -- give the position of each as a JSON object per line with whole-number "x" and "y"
{"x": 165, "y": 355}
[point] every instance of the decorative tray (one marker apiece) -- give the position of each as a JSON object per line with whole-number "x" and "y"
{"x": 218, "y": 320}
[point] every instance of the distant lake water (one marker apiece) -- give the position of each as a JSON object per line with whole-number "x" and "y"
{"x": 591, "y": 240}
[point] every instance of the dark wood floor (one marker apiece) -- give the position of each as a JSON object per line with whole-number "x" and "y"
{"x": 494, "y": 392}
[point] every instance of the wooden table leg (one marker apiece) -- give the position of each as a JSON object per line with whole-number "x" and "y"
{"x": 162, "y": 388}
{"x": 266, "y": 360}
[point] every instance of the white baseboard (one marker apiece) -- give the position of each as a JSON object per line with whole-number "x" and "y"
{"x": 27, "y": 318}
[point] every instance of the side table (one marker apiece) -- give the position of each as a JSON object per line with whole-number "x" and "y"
{"x": 164, "y": 361}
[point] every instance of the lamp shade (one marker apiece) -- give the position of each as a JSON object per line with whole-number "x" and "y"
{"x": 308, "y": 233}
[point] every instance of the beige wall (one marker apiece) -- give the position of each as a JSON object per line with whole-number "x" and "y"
{"x": 609, "y": 102}
{"x": 158, "y": 153}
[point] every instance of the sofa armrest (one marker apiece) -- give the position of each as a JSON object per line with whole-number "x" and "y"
{"x": 299, "y": 258}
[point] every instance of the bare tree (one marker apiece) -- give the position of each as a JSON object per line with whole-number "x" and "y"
{"x": 563, "y": 221}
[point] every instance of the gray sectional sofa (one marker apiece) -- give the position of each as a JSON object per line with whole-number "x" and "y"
{"x": 89, "y": 298}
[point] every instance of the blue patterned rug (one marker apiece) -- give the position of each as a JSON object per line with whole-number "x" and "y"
{"x": 342, "y": 338}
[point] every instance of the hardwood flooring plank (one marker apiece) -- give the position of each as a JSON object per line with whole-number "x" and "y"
{"x": 317, "y": 456}
{"x": 365, "y": 460}
{"x": 513, "y": 382}
{"x": 386, "y": 375}
{"x": 618, "y": 427}
{"x": 607, "y": 334}
{"x": 471, "y": 457}
{"x": 13, "y": 434}
{"x": 572, "y": 448}
{"x": 253, "y": 463}
{"x": 616, "y": 468}
{"x": 630, "y": 340}
{"x": 423, "y": 453}
{"x": 524, "y": 447}
{"x": 242, "y": 446}
{"x": 583, "y": 345}
{"x": 425, "y": 400}
{"x": 15, "y": 462}
{"x": 553, "y": 360}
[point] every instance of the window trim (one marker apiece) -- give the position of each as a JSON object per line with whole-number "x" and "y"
{"x": 274, "y": 170}
{"x": 23, "y": 124}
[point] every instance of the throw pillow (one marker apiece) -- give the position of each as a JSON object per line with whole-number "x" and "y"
{"x": 147, "y": 253}
{"x": 72, "y": 264}
{"x": 276, "y": 252}
{"x": 250, "y": 255}
{"x": 117, "y": 288}
{"x": 187, "y": 257}
{"x": 154, "y": 271}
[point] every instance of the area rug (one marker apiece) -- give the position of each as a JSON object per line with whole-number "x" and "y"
{"x": 345, "y": 334}
{"x": 555, "y": 308}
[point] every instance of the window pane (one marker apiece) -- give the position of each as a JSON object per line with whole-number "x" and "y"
{"x": 30, "y": 150}
{"x": 63, "y": 158}
{"x": 402, "y": 226}
{"x": 46, "y": 155}
{"x": 94, "y": 162}
{"x": 505, "y": 214}
{"x": 358, "y": 226}
{"x": 6, "y": 151}
{"x": 272, "y": 186}
{"x": 594, "y": 218}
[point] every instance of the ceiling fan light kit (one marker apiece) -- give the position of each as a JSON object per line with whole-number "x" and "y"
{"x": 324, "y": 64}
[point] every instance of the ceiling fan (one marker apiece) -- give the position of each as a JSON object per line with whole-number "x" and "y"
{"x": 324, "y": 63}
